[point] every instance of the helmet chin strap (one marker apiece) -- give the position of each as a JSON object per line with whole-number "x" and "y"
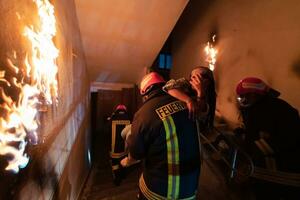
{"x": 146, "y": 95}
{"x": 243, "y": 102}
{"x": 145, "y": 98}
{"x": 151, "y": 91}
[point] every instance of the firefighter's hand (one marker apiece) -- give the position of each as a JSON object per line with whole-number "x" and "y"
{"x": 128, "y": 161}
{"x": 124, "y": 162}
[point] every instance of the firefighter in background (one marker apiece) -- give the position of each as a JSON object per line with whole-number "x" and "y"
{"x": 119, "y": 119}
{"x": 164, "y": 136}
{"x": 272, "y": 139}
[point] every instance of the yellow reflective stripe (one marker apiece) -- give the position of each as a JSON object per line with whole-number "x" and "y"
{"x": 114, "y": 123}
{"x": 190, "y": 198}
{"x": 154, "y": 196}
{"x": 172, "y": 157}
{"x": 169, "y": 156}
{"x": 176, "y": 150}
{"x": 284, "y": 178}
{"x": 117, "y": 155}
{"x": 148, "y": 193}
{"x": 264, "y": 147}
{"x": 271, "y": 163}
{"x": 121, "y": 122}
{"x": 115, "y": 167}
{"x": 113, "y": 136}
{"x": 267, "y": 150}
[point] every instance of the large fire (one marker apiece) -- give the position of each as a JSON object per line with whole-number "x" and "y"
{"x": 211, "y": 54}
{"x": 19, "y": 124}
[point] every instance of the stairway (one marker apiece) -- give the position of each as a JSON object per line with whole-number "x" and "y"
{"x": 100, "y": 184}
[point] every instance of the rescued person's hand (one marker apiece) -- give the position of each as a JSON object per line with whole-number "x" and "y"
{"x": 128, "y": 161}
{"x": 195, "y": 81}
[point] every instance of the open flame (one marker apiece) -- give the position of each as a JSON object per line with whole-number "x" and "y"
{"x": 19, "y": 123}
{"x": 211, "y": 54}
{"x": 44, "y": 53}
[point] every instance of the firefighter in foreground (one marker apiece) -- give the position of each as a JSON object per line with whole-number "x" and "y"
{"x": 199, "y": 95}
{"x": 164, "y": 136}
{"x": 119, "y": 119}
{"x": 272, "y": 139}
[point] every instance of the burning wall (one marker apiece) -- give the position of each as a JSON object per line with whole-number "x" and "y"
{"x": 254, "y": 38}
{"x": 60, "y": 128}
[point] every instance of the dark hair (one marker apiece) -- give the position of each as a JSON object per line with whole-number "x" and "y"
{"x": 209, "y": 90}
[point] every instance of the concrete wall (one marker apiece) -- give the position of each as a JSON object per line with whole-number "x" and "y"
{"x": 254, "y": 38}
{"x": 60, "y": 162}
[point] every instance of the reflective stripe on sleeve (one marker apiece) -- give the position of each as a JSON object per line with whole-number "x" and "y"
{"x": 264, "y": 147}
{"x": 114, "y": 124}
{"x": 117, "y": 155}
{"x": 115, "y": 167}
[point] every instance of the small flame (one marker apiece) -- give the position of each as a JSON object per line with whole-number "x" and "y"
{"x": 211, "y": 54}
{"x": 19, "y": 122}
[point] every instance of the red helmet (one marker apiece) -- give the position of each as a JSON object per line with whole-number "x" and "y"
{"x": 149, "y": 80}
{"x": 121, "y": 107}
{"x": 252, "y": 85}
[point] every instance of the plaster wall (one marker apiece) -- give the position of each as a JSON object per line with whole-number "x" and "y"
{"x": 254, "y": 38}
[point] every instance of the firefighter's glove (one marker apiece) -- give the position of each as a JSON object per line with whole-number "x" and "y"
{"x": 128, "y": 161}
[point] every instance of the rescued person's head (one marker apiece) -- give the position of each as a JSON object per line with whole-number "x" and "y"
{"x": 208, "y": 91}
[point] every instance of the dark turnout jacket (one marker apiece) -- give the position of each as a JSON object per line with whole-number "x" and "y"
{"x": 167, "y": 140}
{"x": 273, "y": 131}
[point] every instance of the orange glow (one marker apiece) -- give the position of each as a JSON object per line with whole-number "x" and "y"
{"x": 211, "y": 54}
{"x": 19, "y": 123}
{"x": 43, "y": 69}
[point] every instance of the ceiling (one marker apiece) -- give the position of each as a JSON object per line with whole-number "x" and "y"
{"x": 123, "y": 37}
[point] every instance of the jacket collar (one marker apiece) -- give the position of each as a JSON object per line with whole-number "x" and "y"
{"x": 153, "y": 94}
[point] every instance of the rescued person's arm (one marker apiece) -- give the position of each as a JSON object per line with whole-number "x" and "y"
{"x": 190, "y": 103}
{"x": 179, "y": 89}
{"x": 181, "y": 84}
